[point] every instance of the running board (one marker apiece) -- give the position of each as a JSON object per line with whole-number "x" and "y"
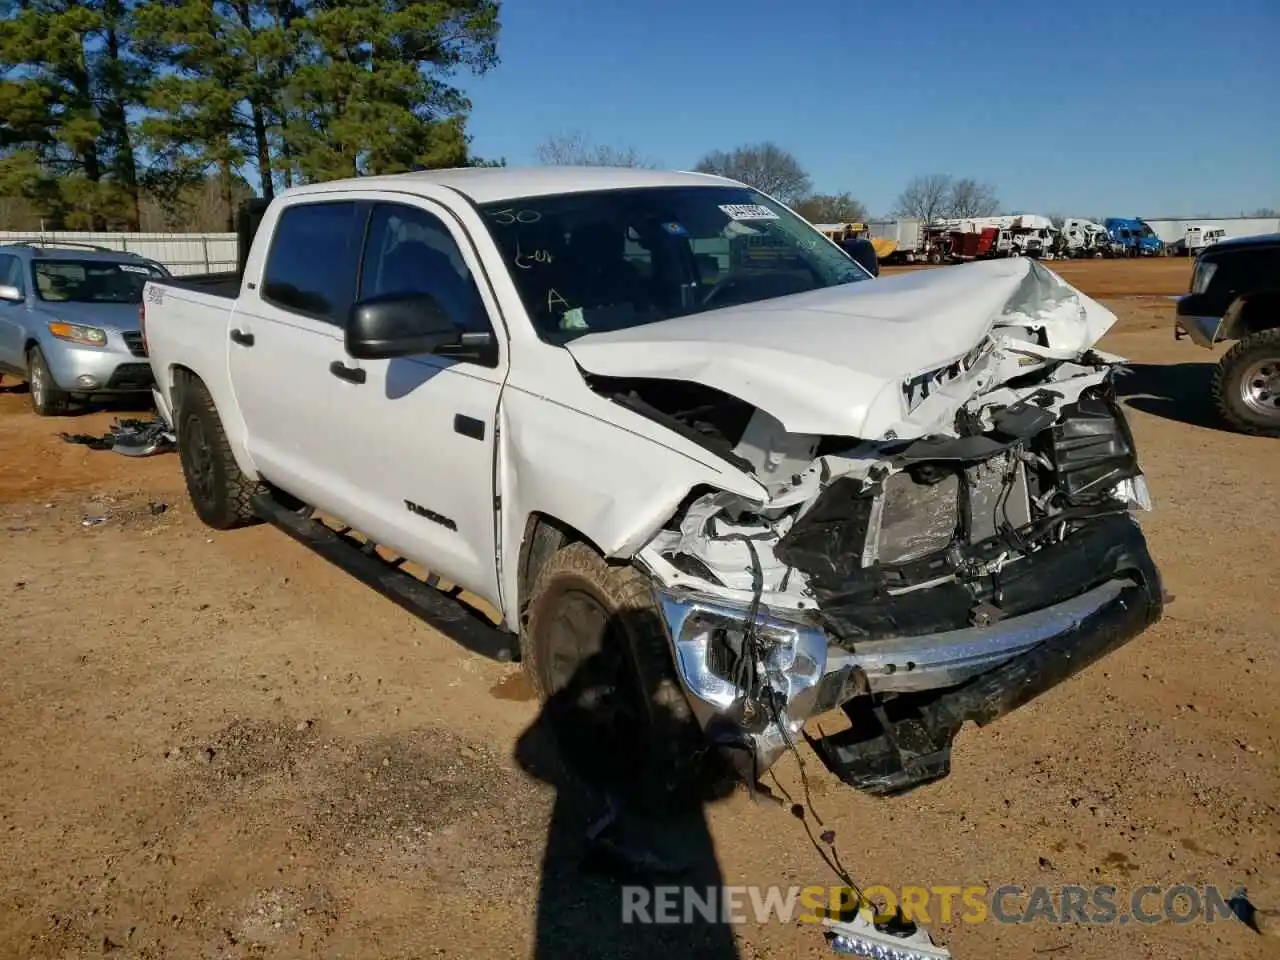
{"x": 450, "y": 616}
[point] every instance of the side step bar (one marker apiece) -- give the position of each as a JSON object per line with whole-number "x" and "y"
{"x": 450, "y": 616}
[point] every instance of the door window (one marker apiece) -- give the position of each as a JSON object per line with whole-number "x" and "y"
{"x": 315, "y": 252}
{"x": 409, "y": 251}
{"x": 11, "y": 273}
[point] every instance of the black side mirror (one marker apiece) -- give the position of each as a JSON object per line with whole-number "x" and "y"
{"x": 862, "y": 251}
{"x": 402, "y": 325}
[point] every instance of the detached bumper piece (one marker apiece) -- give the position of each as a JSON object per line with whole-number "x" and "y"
{"x": 900, "y": 743}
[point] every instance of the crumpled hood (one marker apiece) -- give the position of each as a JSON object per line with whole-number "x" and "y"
{"x": 834, "y": 361}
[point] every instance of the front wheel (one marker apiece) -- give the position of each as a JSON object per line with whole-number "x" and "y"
{"x": 595, "y": 651}
{"x": 47, "y": 400}
{"x": 1246, "y": 385}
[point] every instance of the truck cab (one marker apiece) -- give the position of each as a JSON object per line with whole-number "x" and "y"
{"x": 1136, "y": 236}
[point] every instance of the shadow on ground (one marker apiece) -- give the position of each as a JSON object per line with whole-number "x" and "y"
{"x": 591, "y": 872}
{"x": 1181, "y": 392}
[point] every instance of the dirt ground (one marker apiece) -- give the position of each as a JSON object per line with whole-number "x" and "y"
{"x": 216, "y": 745}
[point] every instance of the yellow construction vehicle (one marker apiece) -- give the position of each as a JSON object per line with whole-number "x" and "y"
{"x": 838, "y": 232}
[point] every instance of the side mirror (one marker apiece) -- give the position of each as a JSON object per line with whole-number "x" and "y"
{"x": 405, "y": 325}
{"x": 862, "y": 251}
{"x": 10, "y": 293}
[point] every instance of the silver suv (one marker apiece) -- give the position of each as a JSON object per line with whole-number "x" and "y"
{"x": 69, "y": 322}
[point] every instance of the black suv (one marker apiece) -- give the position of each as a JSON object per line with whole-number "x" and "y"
{"x": 1235, "y": 295}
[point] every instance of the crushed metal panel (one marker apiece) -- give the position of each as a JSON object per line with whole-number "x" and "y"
{"x": 917, "y": 519}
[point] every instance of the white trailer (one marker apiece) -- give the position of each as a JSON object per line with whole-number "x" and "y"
{"x": 907, "y": 234}
{"x": 1198, "y": 236}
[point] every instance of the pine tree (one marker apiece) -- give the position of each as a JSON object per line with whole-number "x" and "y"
{"x": 70, "y": 78}
{"x": 371, "y": 90}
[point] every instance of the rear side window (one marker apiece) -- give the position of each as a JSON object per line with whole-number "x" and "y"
{"x": 1244, "y": 271}
{"x": 311, "y": 267}
{"x": 11, "y": 272}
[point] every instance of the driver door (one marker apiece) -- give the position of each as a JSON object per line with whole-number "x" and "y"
{"x": 418, "y": 469}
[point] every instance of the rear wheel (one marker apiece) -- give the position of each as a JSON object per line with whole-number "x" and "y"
{"x": 47, "y": 400}
{"x": 219, "y": 491}
{"x": 595, "y": 651}
{"x": 1246, "y": 385}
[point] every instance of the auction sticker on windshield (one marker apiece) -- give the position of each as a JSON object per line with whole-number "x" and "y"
{"x": 747, "y": 211}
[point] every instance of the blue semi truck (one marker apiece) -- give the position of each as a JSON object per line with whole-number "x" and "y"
{"x": 1136, "y": 235}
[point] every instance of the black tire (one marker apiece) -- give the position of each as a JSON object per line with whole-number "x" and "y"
{"x": 219, "y": 492}
{"x": 1246, "y": 385}
{"x": 47, "y": 399}
{"x": 594, "y": 650}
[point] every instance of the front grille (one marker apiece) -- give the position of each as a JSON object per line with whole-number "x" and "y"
{"x": 133, "y": 340}
{"x": 131, "y": 376}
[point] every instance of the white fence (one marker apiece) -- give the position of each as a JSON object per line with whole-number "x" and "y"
{"x": 182, "y": 253}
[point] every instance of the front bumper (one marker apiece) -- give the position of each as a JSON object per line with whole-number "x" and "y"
{"x": 114, "y": 368}
{"x": 1202, "y": 330}
{"x": 906, "y": 698}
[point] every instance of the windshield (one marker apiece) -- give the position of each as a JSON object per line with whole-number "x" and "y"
{"x": 92, "y": 281}
{"x": 589, "y": 262}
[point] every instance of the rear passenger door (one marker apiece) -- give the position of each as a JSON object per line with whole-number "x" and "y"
{"x": 285, "y": 341}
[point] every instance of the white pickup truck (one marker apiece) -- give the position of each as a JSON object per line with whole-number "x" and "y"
{"x": 711, "y": 479}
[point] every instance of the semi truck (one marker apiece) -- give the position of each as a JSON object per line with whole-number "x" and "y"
{"x": 1135, "y": 235}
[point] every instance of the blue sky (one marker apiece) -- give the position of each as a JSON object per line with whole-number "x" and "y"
{"x": 1160, "y": 108}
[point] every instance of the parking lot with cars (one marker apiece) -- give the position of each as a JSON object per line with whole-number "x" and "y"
{"x": 219, "y": 745}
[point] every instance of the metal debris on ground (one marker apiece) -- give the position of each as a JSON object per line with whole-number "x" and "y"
{"x": 857, "y": 936}
{"x": 92, "y": 521}
{"x": 132, "y": 438}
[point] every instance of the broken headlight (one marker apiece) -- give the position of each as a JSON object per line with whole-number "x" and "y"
{"x": 714, "y": 661}
{"x": 1133, "y": 491}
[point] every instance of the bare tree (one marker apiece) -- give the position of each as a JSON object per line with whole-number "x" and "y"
{"x": 969, "y": 198}
{"x": 765, "y": 166}
{"x": 576, "y": 150}
{"x": 926, "y": 198}
{"x": 1265, "y": 212}
{"x": 831, "y": 208}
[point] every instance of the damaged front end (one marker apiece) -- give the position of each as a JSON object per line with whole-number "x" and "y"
{"x": 914, "y": 583}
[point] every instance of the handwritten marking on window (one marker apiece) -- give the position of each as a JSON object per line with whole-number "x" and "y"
{"x": 511, "y": 215}
{"x": 527, "y": 261}
{"x": 555, "y": 300}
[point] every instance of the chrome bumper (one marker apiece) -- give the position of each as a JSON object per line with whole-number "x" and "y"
{"x": 938, "y": 660}
{"x": 812, "y": 675}
{"x": 1202, "y": 330}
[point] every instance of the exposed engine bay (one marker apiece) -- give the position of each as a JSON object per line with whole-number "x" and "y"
{"x": 855, "y": 529}
{"x": 971, "y": 548}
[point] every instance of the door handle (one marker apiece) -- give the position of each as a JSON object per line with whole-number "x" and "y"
{"x": 349, "y": 374}
{"x": 242, "y": 338}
